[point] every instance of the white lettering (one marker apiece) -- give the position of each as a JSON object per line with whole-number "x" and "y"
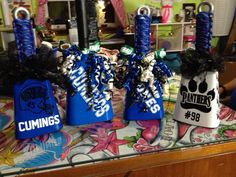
{"x": 57, "y": 120}
{"x": 80, "y": 70}
{"x": 150, "y": 102}
{"x": 27, "y": 125}
{"x": 154, "y": 109}
{"x": 20, "y": 128}
{"x": 102, "y": 111}
{"x": 35, "y": 123}
{"x": 79, "y": 79}
{"x": 82, "y": 86}
{"x": 44, "y": 122}
{"x": 38, "y": 123}
{"x": 51, "y": 120}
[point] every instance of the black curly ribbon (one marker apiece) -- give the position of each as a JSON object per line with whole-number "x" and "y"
{"x": 100, "y": 70}
{"x": 25, "y": 62}
{"x": 160, "y": 73}
{"x": 99, "y": 75}
{"x": 195, "y": 62}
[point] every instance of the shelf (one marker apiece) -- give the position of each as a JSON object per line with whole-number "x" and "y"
{"x": 168, "y": 24}
{"x": 174, "y": 42}
{"x": 112, "y": 41}
{"x": 174, "y": 50}
{"x": 6, "y": 29}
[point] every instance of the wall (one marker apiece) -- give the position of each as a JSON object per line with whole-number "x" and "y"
{"x": 132, "y": 5}
{"x": 1, "y": 16}
{"x": 34, "y": 8}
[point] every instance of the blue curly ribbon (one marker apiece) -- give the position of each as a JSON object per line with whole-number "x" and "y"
{"x": 95, "y": 74}
{"x": 204, "y": 31}
{"x": 98, "y": 74}
{"x": 142, "y": 34}
{"x": 158, "y": 85}
{"x": 134, "y": 71}
{"x": 24, "y": 38}
{"x": 161, "y": 70}
{"x": 96, "y": 70}
{"x": 164, "y": 68}
{"x": 73, "y": 50}
{"x": 101, "y": 74}
{"x": 135, "y": 67}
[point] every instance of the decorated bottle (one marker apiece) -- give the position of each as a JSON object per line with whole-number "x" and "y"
{"x": 90, "y": 77}
{"x": 198, "y": 99}
{"x": 146, "y": 73}
{"x": 36, "y": 111}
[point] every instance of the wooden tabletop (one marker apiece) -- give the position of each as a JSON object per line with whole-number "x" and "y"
{"x": 127, "y": 166}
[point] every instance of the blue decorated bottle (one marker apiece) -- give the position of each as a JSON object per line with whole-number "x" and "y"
{"x": 145, "y": 73}
{"x": 35, "y": 107}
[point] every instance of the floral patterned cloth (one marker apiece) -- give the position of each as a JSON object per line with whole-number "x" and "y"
{"x": 104, "y": 140}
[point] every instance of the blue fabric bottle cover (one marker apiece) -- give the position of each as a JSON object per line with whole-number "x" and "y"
{"x": 198, "y": 98}
{"x": 145, "y": 74}
{"x": 36, "y": 111}
{"x": 91, "y": 82}
{"x": 144, "y": 88}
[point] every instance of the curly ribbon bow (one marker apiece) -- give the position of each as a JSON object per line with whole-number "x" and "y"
{"x": 98, "y": 70}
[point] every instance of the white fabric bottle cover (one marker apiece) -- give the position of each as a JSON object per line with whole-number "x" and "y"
{"x": 198, "y": 100}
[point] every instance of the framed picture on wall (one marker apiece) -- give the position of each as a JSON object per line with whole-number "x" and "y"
{"x": 8, "y": 7}
{"x": 189, "y": 10}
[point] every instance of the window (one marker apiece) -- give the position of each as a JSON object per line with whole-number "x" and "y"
{"x": 106, "y": 14}
{"x": 60, "y": 11}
